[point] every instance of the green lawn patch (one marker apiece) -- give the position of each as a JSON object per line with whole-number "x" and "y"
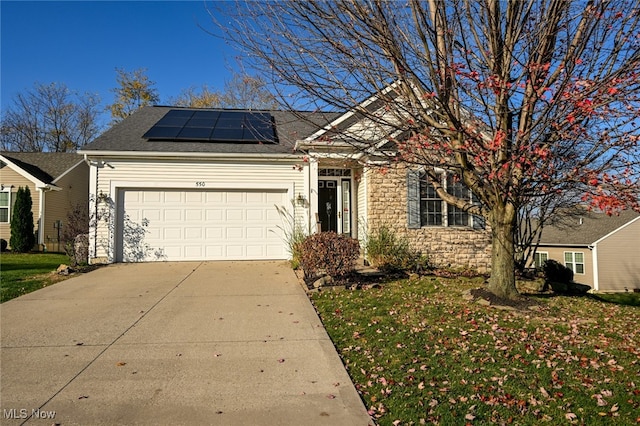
{"x": 419, "y": 353}
{"x": 22, "y": 273}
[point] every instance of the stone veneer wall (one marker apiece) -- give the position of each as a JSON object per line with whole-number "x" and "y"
{"x": 454, "y": 247}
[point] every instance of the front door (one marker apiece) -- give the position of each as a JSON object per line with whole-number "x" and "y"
{"x": 328, "y": 205}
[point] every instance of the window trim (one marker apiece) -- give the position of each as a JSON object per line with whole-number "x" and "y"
{"x": 8, "y": 206}
{"x": 538, "y": 254}
{"x": 415, "y": 180}
{"x": 572, "y": 264}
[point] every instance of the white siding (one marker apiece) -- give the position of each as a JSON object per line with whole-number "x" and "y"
{"x": 183, "y": 174}
{"x": 361, "y": 212}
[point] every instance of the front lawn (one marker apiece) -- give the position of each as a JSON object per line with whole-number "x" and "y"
{"x": 421, "y": 354}
{"x": 22, "y": 273}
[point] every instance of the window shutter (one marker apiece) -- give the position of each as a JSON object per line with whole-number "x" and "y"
{"x": 413, "y": 199}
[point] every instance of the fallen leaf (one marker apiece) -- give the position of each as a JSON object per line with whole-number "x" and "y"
{"x": 120, "y": 364}
{"x": 469, "y": 416}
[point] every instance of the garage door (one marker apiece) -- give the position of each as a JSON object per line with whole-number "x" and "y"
{"x": 199, "y": 225}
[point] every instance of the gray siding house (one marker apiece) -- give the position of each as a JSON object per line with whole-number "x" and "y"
{"x": 603, "y": 251}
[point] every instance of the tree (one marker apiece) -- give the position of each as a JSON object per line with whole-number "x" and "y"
{"x": 519, "y": 100}
{"x": 241, "y": 91}
{"x": 134, "y": 91}
{"x": 22, "y": 237}
{"x": 50, "y": 117}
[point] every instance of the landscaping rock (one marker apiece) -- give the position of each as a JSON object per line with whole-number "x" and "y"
{"x": 326, "y": 280}
{"x": 64, "y": 270}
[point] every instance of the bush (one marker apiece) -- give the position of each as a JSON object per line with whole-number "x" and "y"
{"x": 3, "y": 244}
{"x": 556, "y": 272}
{"x": 22, "y": 237}
{"x": 77, "y": 224}
{"x": 328, "y": 251}
{"x": 388, "y": 252}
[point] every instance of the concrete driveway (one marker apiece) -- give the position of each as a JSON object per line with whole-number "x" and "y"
{"x": 221, "y": 343}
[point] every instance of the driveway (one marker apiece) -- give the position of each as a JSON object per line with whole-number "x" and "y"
{"x": 222, "y": 343}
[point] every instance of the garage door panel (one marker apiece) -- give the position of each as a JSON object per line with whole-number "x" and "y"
{"x": 173, "y": 197}
{"x": 200, "y": 225}
{"x": 255, "y": 233}
{"x": 214, "y": 215}
{"x": 193, "y": 197}
{"x": 235, "y": 197}
{"x": 234, "y": 214}
{"x": 255, "y": 215}
{"x": 173, "y": 215}
{"x": 151, "y": 214}
{"x": 151, "y": 197}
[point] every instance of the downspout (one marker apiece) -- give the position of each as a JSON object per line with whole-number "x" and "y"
{"x": 93, "y": 209}
{"x": 41, "y": 219}
{"x": 594, "y": 259}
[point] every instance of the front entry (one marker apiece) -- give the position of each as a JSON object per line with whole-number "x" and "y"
{"x": 328, "y": 205}
{"x": 334, "y": 200}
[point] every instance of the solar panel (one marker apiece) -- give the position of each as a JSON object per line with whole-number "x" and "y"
{"x": 214, "y": 126}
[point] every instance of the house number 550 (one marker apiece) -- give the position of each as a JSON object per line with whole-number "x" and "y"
{"x": 200, "y": 184}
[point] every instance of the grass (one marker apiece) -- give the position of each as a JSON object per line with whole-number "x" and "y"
{"x": 421, "y": 354}
{"x": 22, "y": 273}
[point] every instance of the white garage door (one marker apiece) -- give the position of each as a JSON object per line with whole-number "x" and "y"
{"x": 199, "y": 225}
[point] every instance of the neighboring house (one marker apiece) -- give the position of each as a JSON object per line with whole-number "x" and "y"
{"x": 203, "y": 184}
{"x": 58, "y": 182}
{"x": 601, "y": 250}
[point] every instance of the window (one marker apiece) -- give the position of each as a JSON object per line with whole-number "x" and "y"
{"x": 574, "y": 261}
{"x": 426, "y": 208}
{"x": 5, "y": 206}
{"x": 539, "y": 258}
{"x": 430, "y": 204}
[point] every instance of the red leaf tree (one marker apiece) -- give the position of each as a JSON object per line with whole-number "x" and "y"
{"x": 521, "y": 100}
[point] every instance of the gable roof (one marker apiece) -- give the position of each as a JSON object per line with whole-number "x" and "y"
{"x": 586, "y": 229}
{"x": 126, "y": 136}
{"x": 43, "y": 166}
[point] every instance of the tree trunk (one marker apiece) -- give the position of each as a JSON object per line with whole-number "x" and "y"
{"x": 503, "y": 279}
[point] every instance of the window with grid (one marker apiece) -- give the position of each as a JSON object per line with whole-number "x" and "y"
{"x": 5, "y": 206}
{"x": 426, "y": 208}
{"x": 539, "y": 258}
{"x": 455, "y": 215}
{"x": 574, "y": 261}
{"x": 430, "y": 204}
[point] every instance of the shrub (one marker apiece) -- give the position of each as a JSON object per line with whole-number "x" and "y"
{"x": 293, "y": 234}
{"x": 3, "y": 244}
{"x": 389, "y": 252}
{"x": 77, "y": 224}
{"x": 328, "y": 251}
{"x": 22, "y": 237}
{"x": 556, "y": 272}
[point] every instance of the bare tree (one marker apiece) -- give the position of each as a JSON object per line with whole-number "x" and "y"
{"x": 519, "y": 100}
{"x": 50, "y": 117}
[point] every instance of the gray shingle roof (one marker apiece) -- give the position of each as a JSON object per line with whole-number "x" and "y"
{"x": 126, "y": 136}
{"x": 45, "y": 166}
{"x": 593, "y": 227}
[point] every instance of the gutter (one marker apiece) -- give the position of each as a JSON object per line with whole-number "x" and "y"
{"x": 156, "y": 154}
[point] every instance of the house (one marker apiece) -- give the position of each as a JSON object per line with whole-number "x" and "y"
{"x": 172, "y": 183}
{"x": 58, "y": 182}
{"x": 601, "y": 250}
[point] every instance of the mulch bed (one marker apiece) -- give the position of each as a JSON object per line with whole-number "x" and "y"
{"x": 520, "y": 303}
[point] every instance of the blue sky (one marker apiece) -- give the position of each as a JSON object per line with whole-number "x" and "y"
{"x": 80, "y": 43}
